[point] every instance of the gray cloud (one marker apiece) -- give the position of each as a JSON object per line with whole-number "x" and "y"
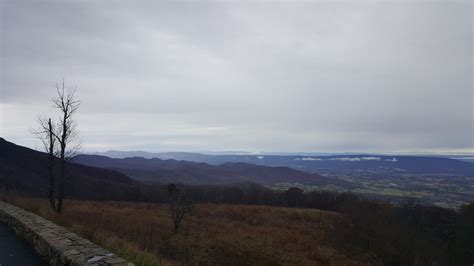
{"x": 273, "y": 76}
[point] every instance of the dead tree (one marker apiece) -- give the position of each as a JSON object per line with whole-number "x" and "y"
{"x": 46, "y": 133}
{"x": 179, "y": 206}
{"x": 67, "y": 134}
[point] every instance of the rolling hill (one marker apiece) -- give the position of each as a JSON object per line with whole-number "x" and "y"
{"x": 172, "y": 171}
{"x": 24, "y": 170}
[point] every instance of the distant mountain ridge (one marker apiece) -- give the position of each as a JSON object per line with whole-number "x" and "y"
{"x": 327, "y": 163}
{"x": 170, "y": 170}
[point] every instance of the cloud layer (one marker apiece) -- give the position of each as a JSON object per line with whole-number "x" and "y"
{"x": 305, "y": 76}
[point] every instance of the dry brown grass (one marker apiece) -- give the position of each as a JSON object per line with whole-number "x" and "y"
{"x": 214, "y": 234}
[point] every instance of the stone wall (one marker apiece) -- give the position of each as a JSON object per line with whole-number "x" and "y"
{"x": 55, "y": 242}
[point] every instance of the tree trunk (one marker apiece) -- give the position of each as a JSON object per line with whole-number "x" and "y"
{"x": 52, "y": 202}
{"x": 61, "y": 181}
{"x": 63, "y": 161}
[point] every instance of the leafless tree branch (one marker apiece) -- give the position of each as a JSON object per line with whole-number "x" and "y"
{"x": 46, "y": 132}
{"x": 67, "y": 135}
{"x": 60, "y": 139}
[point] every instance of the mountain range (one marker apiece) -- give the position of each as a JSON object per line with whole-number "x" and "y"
{"x": 346, "y": 163}
{"x": 91, "y": 176}
{"x": 173, "y": 171}
{"x": 24, "y": 170}
{"x": 434, "y": 179}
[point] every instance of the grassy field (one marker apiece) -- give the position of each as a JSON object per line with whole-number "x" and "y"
{"x": 213, "y": 234}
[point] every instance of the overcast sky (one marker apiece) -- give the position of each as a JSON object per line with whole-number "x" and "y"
{"x": 318, "y": 76}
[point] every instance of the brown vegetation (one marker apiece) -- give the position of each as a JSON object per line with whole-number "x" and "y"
{"x": 213, "y": 234}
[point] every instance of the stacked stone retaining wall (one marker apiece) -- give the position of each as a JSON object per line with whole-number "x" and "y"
{"x": 58, "y": 245}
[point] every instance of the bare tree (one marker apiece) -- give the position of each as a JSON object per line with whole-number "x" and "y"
{"x": 59, "y": 139}
{"x": 179, "y": 206}
{"x": 46, "y": 133}
{"x": 67, "y": 134}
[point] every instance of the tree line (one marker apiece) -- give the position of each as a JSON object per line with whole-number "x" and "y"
{"x": 405, "y": 234}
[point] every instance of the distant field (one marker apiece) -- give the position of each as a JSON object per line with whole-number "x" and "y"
{"x": 450, "y": 191}
{"x": 211, "y": 235}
